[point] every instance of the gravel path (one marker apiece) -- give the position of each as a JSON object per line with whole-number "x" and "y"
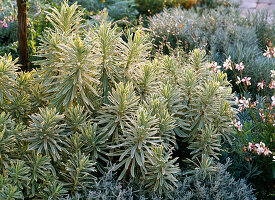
{"x": 253, "y": 5}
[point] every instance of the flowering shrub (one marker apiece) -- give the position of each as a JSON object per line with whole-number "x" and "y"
{"x": 8, "y": 26}
{"x": 255, "y": 128}
{"x": 5, "y": 22}
{"x": 257, "y": 149}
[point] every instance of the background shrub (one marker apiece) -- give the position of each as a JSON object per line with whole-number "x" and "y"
{"x": 223, "y": 32}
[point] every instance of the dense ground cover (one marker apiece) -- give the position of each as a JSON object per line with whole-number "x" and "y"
{"x": 181, "y": 109}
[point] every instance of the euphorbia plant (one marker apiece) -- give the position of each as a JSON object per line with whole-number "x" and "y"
{"x": 98, "y": 98}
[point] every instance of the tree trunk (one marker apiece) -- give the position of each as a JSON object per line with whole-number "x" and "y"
{"x": 22, "y": 35}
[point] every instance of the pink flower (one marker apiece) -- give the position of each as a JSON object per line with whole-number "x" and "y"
{"x": 262, "y": 116}
{"x": 240, "y": 66}
{"x": 238, "y": 80}
{"x": 254, "y": 104}
{"x": 246, "y": 80}
{"x": 3, "y": 24}
{"x": 244, "y": 103}
{"x": 11, "y": 19}
{"x": 267, "y": 53}
{"x": 215, "y": 67}
{"x": 272, "y": 84}
{"x": 227, "y": 63}
{"x": 237, "y": 100}
{"x": 260, "y": 150}
{"x": 267, "y": 152}
{"x": 250, "y": 145}
{"x": 262, "y": 144}
{"x": 238, "y": 125}
{"x": 261, "y": 85}
{"x": 273, "y": 101}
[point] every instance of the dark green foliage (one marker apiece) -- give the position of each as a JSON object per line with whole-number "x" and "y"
{"x": 54, "y": 191}
{"x": 19, "y": 174}
{"x": 114, "y": 116}
{"x": 8, "y": 135}
{"x": 78, "y": 173}
{"x": 40, "y": 169}
{"x": 161, "y": 181}
{"x": 10, "y": 192}
{"x": 46, "y": 133}
{"x": 135, "y": 144}
{"x": 95, "y": 144}
{"x": 8, "y": 68}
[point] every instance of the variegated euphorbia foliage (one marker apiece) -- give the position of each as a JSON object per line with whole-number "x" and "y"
{"x": 98, "y": 103}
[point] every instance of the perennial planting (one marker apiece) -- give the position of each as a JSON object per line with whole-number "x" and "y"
{"x": 112, "y": 112}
